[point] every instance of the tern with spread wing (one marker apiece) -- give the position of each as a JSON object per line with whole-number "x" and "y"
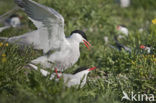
{"x": 49, "y": 36}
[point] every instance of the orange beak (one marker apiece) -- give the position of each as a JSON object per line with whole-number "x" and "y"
{"x": 118, "y": 27}
{"x": 87, "y": 44}
{"x": 91, "y": 68}
{"x": 142, "y": 46}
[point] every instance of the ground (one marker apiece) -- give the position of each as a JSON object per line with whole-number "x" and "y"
{"x": 116, "y": 71}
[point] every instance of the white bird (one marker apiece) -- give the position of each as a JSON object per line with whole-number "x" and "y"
{"x": 78, "y": 78}
{"x": 106, "y": 39}
{"x": 122, "y": 29}
{"x": 124, "y": 3}
{"x": 13, "y": 21}
{"x": 50, "y": 36}
{"x": 146, "y": 48}
{"x": 120, "y": 46}
{"x": 10, "y": 19}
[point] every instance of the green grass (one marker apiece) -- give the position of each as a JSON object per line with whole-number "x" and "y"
{"x": 117, "y": 71}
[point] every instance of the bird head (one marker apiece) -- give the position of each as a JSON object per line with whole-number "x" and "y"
{"x": 142, "y": 46}
{"x": 118, "y": 27}
{"x": 81, "y": 37}
{"x": 15, "y": 20}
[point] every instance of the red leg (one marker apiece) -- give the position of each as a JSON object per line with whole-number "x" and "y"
{"x": 57, "y": 73}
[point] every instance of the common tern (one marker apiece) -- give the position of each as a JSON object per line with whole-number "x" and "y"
{"x": 10, "y": 19}
{"x": 123, "y": 3}
{"x": 120, "y": 46}
{"x": 13, "y": 21}
{"x": 49, "y": 36}
{"x": 78, "y": 78}
{"x": 8, "y": 14}
{"x": 106, "y": 39}
{"x": 122, "y": 29}
{"x": 146, "y": 48}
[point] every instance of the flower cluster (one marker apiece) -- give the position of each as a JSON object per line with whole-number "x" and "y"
{"x": 2, "y": 44}
{"x": 154, "y": 21}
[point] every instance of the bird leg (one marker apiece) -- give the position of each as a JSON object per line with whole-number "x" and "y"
{"x": 57, "y": 73}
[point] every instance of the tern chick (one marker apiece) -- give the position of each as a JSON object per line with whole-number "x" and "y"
{"x": 122, "y": 29}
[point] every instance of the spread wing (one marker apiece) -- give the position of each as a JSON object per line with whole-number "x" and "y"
{"x": 47, "y": 18}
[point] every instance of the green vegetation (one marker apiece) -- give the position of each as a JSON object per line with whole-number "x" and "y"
{"x": 116, "y": 72}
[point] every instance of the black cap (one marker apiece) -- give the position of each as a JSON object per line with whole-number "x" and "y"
{"x": 80, "y": 32}
{"x": 80, "y": 69}
{"x": 13, "y": 15}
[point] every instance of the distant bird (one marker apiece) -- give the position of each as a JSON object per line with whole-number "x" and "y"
{"x": 10, "y": 19}
{"x": 8, "y": 14}
{"x": 13, "y": 21}
{"x": 141, "y": 30}
{"x": 49, "y": 37}
{"x": 146, "y": 48}
{"x": 123, "y": 3}
{"x": 77, "y": 78}
{"x": 120, "y": 46}
{"x": 122, "y": 29}
{"x": 106, "y": 39}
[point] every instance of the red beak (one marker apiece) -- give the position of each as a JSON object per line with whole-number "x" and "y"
{"x": 91, "y": 68}
{"x": 57, "y": 73}
{"x": 87, "y": 44}
{"x": 142, "y": 46}
{"x": 118, "y": 27}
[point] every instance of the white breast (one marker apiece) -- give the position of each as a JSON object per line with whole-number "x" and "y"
{"x": 66, "y": 57}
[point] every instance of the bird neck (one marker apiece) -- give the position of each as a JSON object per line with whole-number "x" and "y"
{"x": 73, "y": 42}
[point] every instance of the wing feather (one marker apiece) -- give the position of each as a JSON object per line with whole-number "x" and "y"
{"x": 45, "y": 17}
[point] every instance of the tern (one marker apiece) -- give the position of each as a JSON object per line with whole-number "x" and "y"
{"x": 78, "y": 78}
{"x": 124, "y": 3}
{"x": 49, "y": 37}
{"x": 122, "y": 29}
{"x": 148, "y": 48}
{"x": 10, "y": 19}
{"x": 120, "y": 46}
{"x": 13, "y": 21}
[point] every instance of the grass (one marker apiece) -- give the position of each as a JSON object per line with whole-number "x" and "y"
{"x": 116, "y": 72}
